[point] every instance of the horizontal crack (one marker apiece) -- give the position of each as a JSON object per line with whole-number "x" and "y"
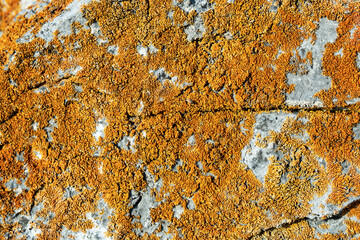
{"x": 316, "y": 221}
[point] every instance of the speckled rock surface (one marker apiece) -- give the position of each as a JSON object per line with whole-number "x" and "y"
{"x": 193, "y": 119}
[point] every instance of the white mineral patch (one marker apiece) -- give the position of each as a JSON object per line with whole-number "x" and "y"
{"x": 320, "y": 207}
{"x": 352, "y": 32}
{"x": 142, "y": 203}
{"x": 38, "y": 154}
{"x": 339, "y": 53}
{"x": 70, "y": 192}
{"x": 178, "y": 210}
{"x": 27, "y": 222}
{"x": 356, "y": 130}
{"x": 143, "y": 51}
{"x": 72, "y": 71}
{"x": 196, "y": 30}
{"x": 100, "y": 127}
{"x": 190, "y": 204}
{"x": 141, "y": 107}
{"x": 63, "y": 22}
{"x": 314, "y": 81}
{"x": 100, "y": 220}
{"x": 153, "y": 49}
{"x": 127, "y": 143}
{"x": 78, "y": 88}
{"x": 42, "y": 89}
{"x": 163, "y": 76}
{"x": 35, "y": 126}
{"x": 177, "y": 164}
{"x": 113, "y": 49}
{"x": 257, "y": 158}
{"x": 50, "y": 128}
{"x": 96, "y": 31}
{"x": 191, "y": 141}
{"x": 199, "y": 6}
{"x": 17, "y": 188}
{"x": 11, "y": 61}
{"x": 31, "y": 7}
{"x": 228, "y": 35}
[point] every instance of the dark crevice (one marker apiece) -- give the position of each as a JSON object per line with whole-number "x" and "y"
{"x": 316, "y": 220}
{"x": 12, "y": 115}
{"x": 258, "y": 110}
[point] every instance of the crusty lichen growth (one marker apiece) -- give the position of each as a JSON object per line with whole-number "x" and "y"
{"x": 203, "y": 120}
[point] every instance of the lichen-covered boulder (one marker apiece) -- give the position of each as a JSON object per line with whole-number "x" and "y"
{"x": 179, "y": 119}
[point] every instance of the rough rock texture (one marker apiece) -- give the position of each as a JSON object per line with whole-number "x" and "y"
{"x": 193, "y": 119}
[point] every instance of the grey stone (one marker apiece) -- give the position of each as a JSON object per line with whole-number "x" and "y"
{"x": 199, "y": 6}
{"x": 314, "y": 81}
{"x": 195, "y": 31}
{"x": 257, "y": 158}
{"x": 127, "y": 143}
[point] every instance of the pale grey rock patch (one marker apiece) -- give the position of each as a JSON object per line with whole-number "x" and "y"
{"x": 97, "y": 152}
{"x": 27, "y": 222}
{"x": 314, "y": 81}
{"x": 12, "y": 82}
{"x": 200, "y": 165}
{"x": 31, "y": 7}
{"x": 35, "y": 126}
{"x": 42, "y": 89}
{"x": 100, "y": 221}
{"x": 142, "y": 202}
{"x": 70, "y": 192}
{"x": 38, "y": 154}
{"x": 50, "y": 128}
{"x": 345, "y": 165}
{"x": 163, "y": 76}
{"x": 210, "y": 141}
{"x": 228, "y": 35}
{"x": 13, "y": 185}
{"x": 321, "y": 201}
{"x": 153, "y": 49}
{"x": 178, "y": 210}
{"x": 191, "y": 141}
{"x": 195, "y": 31}
{"x": 78, "y": 88}
{"x": 113, "y": 49}
{"x": 72, "y": 71}
{"x": 339, "y": 53}
{"x": 127, "y": 143}
{"x": 336, "y": 226}
{"x": 352, "y": 101}
{"x": 141, "y": 107}
{"x": 20, "y": 157}
{"x": 199, "y": 6}
{"x": 101, "y": 124}
{"x": 11, "y": 61}
{"x": 178, "y": 163}
{"x": 96, "y": 31}
{"x": 352, "y": 32}
{"x": 63, "y": 22}
{"x": 143, "y": 51}
{"x": 356, "y": 130}
{"x": 358, "y": 60}
{"x": 26, "y": 38}
{"x": 257, "y": 158}
{"x": 273, "y": 8}
{"x": 190, "y": 204}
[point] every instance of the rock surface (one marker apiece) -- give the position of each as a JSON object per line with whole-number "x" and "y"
{"x": 201, "y": 119}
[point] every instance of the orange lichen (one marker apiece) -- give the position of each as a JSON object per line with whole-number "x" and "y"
{"x": 201, "y": 115}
